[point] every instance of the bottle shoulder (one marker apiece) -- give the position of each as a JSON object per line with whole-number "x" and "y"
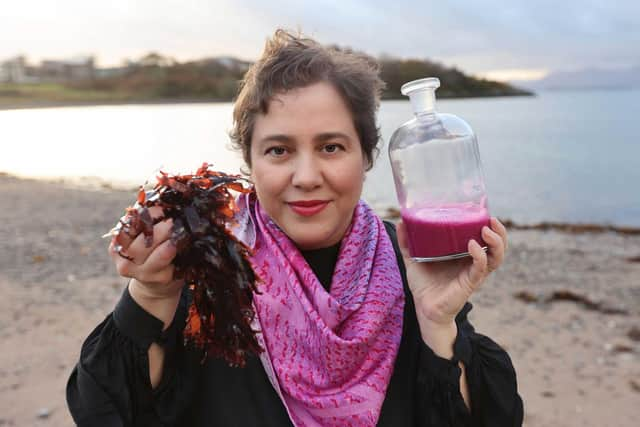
{"x": 440, "y": 126}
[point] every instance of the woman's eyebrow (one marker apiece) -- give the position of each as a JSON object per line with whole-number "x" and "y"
{"x": 281, "y": 138}
{"x": 287, "y": 139}
{"x": 327, "y": 136}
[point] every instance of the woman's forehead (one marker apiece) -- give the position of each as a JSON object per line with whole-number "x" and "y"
{"x": 313, "y": 109}
{"x": 320, "y": 96}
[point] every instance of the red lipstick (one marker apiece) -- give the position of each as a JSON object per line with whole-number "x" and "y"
{"x": 308, "y": 207}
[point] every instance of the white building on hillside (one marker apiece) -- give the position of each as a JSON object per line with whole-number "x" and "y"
{"x": 15, "y": 70}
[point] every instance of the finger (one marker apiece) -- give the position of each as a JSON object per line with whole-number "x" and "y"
{"x": 495, "y": 248}
{"x": 499, "y": 228}
{"x": 115, "y": 250}
{"x": 124, "y": 267}
{"x": 479, "y": 268}
{"x": 154, "y": 269}
{"x": 139, "y": 251}
{"x": 403, "y": 240}
{"x": 158, "y": 267}
{"x": 494, "y": 240}
{"x": 112, "y": 245}
{"x": 125, "y": 239}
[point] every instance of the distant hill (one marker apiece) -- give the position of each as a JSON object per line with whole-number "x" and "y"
{"x": 217, "y": 78}
{"x": 590, "y": 78}
{"x": 156, "y": 78}
{"x": 453, "y": 82}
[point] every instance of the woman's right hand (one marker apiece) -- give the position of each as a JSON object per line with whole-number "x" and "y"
{"x": 150, "y": 268}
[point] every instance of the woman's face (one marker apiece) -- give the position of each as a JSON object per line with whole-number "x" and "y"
{"x": 307, "y": 164}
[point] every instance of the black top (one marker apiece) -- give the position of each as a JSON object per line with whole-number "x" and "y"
{"x": 110, "y": 385}
{"x": 323, "y": 262}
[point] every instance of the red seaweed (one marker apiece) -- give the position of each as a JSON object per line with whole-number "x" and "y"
{"x": 209, "y": 258}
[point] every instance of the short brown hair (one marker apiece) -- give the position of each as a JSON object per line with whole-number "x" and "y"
{"x": 292, "y": 61}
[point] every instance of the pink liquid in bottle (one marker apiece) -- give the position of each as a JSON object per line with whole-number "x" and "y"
{"x": 437, "y": 231}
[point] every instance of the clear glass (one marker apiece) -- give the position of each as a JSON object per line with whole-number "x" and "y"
{"x": 438, "y": 177}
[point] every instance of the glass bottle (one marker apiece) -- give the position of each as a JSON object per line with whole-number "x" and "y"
{"x": 438, "y": 177}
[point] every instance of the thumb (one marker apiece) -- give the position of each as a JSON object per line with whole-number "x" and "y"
{"x": 403, "y": 240}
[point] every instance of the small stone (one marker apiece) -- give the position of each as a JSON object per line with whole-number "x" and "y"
{"x": 526, "y": 296}
{"x": 71, "y": 278}
{"x": 548, "y": 394}
{"x": 44, "y": 413}
{"x": 38, "y": 258}
{"x": 635, "y": 385}
{"x": 634, "y": 333}
{"x": 622, "y": 348}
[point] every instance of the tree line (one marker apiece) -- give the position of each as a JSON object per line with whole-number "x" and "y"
{"x": 217, "y": 79}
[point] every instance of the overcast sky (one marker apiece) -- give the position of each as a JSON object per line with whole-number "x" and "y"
{"x": 499, "y": 39}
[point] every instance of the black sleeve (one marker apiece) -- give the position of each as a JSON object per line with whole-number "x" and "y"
{"x": 110, "y": 385}
{"x": 491, "y": 379}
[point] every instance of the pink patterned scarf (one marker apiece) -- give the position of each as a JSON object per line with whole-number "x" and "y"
{"x": 329, "y": 355}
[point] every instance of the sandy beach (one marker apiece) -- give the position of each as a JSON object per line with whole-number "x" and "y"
{"x": 566, "y": 305}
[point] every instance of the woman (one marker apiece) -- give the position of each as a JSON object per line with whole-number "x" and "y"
{"x": 350, "y": 336}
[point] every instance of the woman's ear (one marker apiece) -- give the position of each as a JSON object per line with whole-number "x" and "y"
{"x": 365, "y": 168}
{"x": 367, "y": 165}
{"x": 246, "y": 171}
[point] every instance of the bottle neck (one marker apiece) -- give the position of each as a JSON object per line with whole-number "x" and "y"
{"x": 423, "y": 102}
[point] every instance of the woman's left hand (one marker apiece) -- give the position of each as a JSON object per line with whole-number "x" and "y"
{"x": 440, "y": 289}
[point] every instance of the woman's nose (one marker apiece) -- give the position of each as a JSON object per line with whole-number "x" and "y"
{"x": 307, "y": 173}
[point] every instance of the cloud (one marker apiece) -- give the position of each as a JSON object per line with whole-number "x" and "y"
{"x": 477, "y": 37}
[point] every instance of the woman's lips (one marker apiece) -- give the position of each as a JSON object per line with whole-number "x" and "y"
{"x": 308, "y": 208}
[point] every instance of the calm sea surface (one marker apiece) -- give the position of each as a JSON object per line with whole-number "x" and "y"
{"x": 559, "y": 156}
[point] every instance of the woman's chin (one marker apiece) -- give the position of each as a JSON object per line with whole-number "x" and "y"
{"x": 308, "y": 240}
{"x": 312, "y": 232}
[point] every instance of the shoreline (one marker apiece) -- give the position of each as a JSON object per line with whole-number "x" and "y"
{"x": 391, "y": 213}
{"x": 43, "y": 103}
{"x": 36, "y": 104}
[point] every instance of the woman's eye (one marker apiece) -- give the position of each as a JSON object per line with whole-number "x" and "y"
{"x": 277, "y": 151}
{"x": 332, "y": 148}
